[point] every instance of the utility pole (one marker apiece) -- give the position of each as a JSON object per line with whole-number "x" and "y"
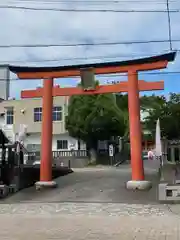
{"x": 169, "y": 25}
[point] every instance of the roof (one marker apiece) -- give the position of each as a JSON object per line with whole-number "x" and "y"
{"x": 164, "y": 57}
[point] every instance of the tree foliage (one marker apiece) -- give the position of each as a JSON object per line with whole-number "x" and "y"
{"x": 94, "y": 117}
{"x": 152, "y": 101}
{"x": 122, "y": 103}
{"x": 106, "y": 119}
{"x": 168, "y": 112}
{"x": 102, "y": 116}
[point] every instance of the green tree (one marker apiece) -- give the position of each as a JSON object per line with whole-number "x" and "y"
{"x": 122, "y": 103}
{"x": 106, "y": 119}
{"x": 147, "y": 104}
{"x": 151, "y": 102}
{"x": 94, "y": 117}
{"x": 169, "y": 114}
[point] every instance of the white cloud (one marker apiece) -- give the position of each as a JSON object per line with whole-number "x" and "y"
{"x": 48, "y": 27}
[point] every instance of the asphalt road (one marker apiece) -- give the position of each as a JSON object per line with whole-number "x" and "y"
{"x": 93, "y": 185}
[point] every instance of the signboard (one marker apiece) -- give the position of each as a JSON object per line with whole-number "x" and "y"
{"x": 72, "y": 147}
{"x": 111, "y": 150}
{"x": 87, "y": 79}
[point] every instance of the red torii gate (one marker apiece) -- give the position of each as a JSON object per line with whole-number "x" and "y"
{"x": 133, "y": 86}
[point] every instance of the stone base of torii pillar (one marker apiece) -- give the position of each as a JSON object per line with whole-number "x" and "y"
{"x": 42, "y": 184}
{"x": 138, "y": 185}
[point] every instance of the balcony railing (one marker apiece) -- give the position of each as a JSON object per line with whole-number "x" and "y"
{"x": 35, "y": 156}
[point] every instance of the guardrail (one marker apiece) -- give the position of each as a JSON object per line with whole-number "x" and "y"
{"x": 32, "y": 156}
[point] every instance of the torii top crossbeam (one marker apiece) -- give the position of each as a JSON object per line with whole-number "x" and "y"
{"x": 142, "y": 64}
{"x": 132, "y": 86}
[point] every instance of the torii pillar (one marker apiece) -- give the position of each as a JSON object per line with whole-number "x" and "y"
{"x": 132, "y": 87}
{"x": 46, "y": 135}
{"x": 135, "y": 134}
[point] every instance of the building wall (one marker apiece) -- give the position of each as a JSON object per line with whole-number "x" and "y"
{"x": 35, "y": 139}
{"x": 24, "y": 114}
{"x": 2, "y": 121}
{"x": 4, "y": 82}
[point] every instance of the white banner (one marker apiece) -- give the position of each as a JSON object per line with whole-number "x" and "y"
{"x": 158, "y": 140}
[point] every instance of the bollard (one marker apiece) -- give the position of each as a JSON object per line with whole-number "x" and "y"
{"x": 69, "y": 164}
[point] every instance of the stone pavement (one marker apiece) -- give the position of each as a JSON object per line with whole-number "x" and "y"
{"x": 90, "y": 204}
{"x": 85, "y": 209}
{"x": 88, "y": 221}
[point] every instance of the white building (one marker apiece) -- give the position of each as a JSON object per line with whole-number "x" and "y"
{"x": 13, "y": 113}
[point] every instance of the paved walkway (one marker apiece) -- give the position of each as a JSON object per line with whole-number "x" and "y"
{"x": 99, "y": 207}
{"x": 88, "y": 221}
{"x": 100, "y": 184}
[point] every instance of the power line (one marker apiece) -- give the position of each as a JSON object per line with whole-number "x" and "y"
{"x": 92, "y": 1}
{"x": 72, "y": 58}
{"x": 84, "y": 58}
{"x": 78, "y": 58}
{"x": 87, "y": 10}
{"x": 85, "y": 44}
{"x": 103, "y": 76}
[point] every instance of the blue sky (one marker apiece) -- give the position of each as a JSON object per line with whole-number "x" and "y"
{"x": 50, "y": 27}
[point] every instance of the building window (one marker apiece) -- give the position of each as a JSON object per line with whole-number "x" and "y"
{"x": 62, "y": 144}
{"x": 33, "y": 147}
{"x": 9, "y": 116}
{"x": 57, "y": 114}
{"x": 176, "y": 154}
{"x": 38, "y": 114}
